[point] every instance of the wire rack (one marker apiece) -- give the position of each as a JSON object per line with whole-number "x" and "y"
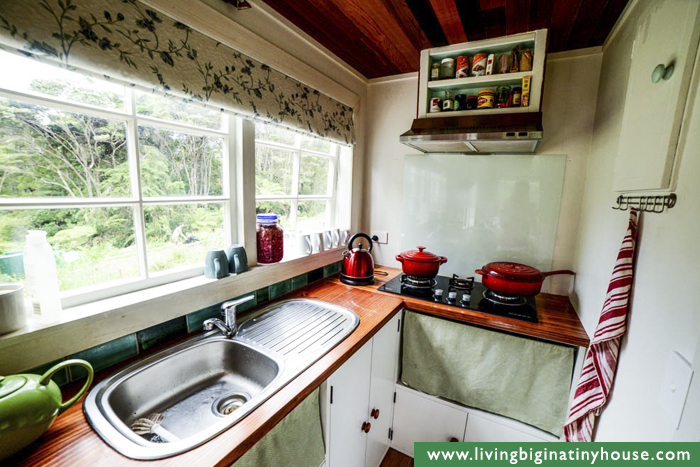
{"x": 650, "y": 203}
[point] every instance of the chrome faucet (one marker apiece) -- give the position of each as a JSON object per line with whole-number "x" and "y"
{"x": 228, "y": 327}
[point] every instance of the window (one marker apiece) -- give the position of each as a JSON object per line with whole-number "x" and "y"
{"x": 130, "y": 186}
{"x": 296, "y": 178}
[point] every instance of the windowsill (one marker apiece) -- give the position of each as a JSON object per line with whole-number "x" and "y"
{"x": 96, "y": 323}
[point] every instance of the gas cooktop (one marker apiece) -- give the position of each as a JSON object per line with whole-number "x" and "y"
{"x": 463, "y": 293}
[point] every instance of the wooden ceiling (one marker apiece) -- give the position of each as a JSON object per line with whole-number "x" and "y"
{"x": 385, "y": 37}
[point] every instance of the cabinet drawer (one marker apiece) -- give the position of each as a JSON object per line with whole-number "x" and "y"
{"x": 481, "y": 429}
{"x": 419, "y": 417}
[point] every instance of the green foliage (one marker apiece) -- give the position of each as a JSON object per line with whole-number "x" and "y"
{"x": 75, "y": 237}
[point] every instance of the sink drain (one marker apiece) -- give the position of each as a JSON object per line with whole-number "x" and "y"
{"x": 229, "y": 403}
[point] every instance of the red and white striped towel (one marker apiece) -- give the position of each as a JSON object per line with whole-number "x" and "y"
{"x": 601, "y": 359}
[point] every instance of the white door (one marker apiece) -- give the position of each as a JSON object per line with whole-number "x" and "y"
{"x": 423, "y": 418}
{"x": 666, "y": 34}
{"x": 385, "y": 355}
{"x": 349, "y": 409}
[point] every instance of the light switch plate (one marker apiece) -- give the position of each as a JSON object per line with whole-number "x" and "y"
{"x": 674, "y": 388}
{"x": 382, "y": 236}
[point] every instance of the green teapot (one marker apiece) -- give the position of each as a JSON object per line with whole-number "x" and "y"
{"x": 30, "y": 403}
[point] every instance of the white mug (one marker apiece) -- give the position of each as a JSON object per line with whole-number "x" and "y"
{"x": 317, "y": 242}
{"x": 304, "y": 246}
{"x": 344, "y": 236}
{"x": 13, "y": 315}
{"x": 327, "y": 240}
{"x": 335, "y": 237}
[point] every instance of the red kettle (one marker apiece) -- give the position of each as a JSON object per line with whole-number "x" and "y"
{"x": 358, "y": 264}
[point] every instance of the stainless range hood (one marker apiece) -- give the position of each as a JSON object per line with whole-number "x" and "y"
{"x": 517, "y": 133}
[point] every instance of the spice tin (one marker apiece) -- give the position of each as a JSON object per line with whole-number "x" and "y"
{"x": 479, "y": 64}
{"x": 489, "y": 64}
{"x": 462, "y": 67}
{"x": 486, "y": 99}
{"x": 435, "y": 104}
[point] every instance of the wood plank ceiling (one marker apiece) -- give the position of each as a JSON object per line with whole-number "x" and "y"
{"x": 384, "y": 37}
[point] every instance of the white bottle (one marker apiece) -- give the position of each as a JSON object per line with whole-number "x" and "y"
{"x": 42, "y": 278}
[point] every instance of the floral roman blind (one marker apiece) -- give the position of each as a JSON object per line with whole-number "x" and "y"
{"x": 126, "y": 40}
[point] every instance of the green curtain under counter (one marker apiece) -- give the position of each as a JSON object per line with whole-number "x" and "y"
{"x": 520, "y": 378}
{"x": 295, "y": 441}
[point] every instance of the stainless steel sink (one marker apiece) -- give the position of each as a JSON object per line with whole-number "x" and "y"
{"x": 207, "y": 384}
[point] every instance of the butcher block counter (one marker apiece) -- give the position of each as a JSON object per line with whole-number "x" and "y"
{"x": 71, "y": 441}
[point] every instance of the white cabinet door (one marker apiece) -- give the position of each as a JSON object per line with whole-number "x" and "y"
{"x": 349, "y": 408}
{"x": 423, "y": 418}
{"x": 481, "y": 429}
{"x": 385, "y": 348}
{"x": 666, "y": 34}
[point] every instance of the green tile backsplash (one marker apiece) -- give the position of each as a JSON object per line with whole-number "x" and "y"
{"x": 118, "y": 350}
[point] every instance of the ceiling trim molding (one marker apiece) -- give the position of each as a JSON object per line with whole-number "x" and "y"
{"x": 393, "y": 78}
{"x": 215, "y": 24}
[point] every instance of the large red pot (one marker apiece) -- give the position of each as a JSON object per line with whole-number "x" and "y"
{"x": 514, "y": 278}
{"x": 423, "y": 264}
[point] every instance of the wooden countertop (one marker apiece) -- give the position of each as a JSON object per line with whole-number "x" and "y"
{"x": 71, "y": 441}
{"x": 558, "y": 321}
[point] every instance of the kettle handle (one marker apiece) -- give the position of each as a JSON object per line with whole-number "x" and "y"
{"x": 46, "y": 378}
{"x": 361, "y": 235}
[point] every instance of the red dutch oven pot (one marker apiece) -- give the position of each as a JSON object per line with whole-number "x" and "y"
{"x": 423, "y": 264}
{"x": 515, "y": 278}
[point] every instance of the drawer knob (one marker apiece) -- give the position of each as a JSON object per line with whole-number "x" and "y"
{"x": 374, "y": 414}
{"x": 662, "y": 71}
{"x": 366, "y": 426}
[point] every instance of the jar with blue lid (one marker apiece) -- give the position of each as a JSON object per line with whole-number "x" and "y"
{"x": 270, "y": 239}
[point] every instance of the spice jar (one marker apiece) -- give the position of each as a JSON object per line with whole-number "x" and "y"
{"x": 461, "y": 102}
{"x": 435, "y": 71}
{"x": 486, "y": 99}
{"x": 436, "y": 104}
{"x": 270, "y": 239}
{"x": 448, "y": 101}
{"x": 447, "y": 68}
{"x": 472, "y": 102}
{"x": 504, "y": 99}
{"x": 517, "y": 92}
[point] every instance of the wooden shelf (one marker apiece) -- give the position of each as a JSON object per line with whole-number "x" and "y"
{"x": 505, "y": 79}
{"x": 465, "y": 113}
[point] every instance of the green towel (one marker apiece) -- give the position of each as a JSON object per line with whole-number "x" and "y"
{"x": 296, "y": 441}
{"x": 520, "y": 378}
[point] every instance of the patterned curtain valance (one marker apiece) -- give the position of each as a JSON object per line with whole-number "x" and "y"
{"x": 124, "y": 39}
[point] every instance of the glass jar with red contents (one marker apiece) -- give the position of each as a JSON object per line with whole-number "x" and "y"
{"x": 270, "y": 239}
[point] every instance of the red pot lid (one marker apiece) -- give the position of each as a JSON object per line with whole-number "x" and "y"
{"x": 421, "y": 256}
{"x": 513, "y": 272}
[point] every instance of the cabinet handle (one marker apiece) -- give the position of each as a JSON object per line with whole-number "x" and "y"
{"x": 662, "y": 71}
{"x": 454, "y": 440}
{"x": 366, "y": 426}
{"x": 374, "y": 414}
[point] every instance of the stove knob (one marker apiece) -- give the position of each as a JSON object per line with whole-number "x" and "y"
{"x": 466, "y": 298}
{"x": 438, "y": 292}
{"x": 452, "y": 296}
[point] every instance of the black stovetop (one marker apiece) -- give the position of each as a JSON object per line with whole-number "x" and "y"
{"x": 476, "y": 300}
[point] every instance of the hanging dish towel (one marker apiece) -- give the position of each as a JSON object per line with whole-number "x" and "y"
{"x": 601, "y": 359}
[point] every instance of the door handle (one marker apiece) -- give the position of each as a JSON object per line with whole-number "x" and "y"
{"x": 374, "y": 414}
{"x": 366, "y": 426}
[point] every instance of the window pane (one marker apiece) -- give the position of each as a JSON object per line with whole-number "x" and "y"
{"x": 273, "y": 171}
{"x": 313, "y": 175}
{"x": 274, "y": 133}
{"x": 174, "y": 163}
{"x": 92, "y": 245}
{"x": 281, "y": 208}
{"x": 311, "y": 216}
{"x": 48, "y": 152}
{"x": 177, "y": 110}
{"x": 180, "y": 234}
{"x": 316, "y": 144}
{"x": 33, "y": 77}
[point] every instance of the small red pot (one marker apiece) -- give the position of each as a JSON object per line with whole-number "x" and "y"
{"x": 423, "y": 264}
{"x": 514, "y": 278}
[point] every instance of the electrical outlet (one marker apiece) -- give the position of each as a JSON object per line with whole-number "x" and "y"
{"x": 380, "y": 236}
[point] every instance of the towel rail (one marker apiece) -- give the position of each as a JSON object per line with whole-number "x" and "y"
{"x": 650, "y": 203}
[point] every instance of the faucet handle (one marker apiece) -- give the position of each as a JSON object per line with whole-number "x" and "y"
{"x": 234, "y": 303}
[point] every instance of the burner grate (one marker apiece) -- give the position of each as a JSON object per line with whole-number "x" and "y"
{"x": 461, "y": 283}
{"x": 418, "y": 283}
{"x": 504, "y": 299}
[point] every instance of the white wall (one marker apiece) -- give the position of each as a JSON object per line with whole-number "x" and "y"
{"x": 664, "y": 314}
{"x": 571, "y": 86}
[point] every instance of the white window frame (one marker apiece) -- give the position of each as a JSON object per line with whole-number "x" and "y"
{"x": 136, "y": 201}
{"x": 331, "y": 196}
